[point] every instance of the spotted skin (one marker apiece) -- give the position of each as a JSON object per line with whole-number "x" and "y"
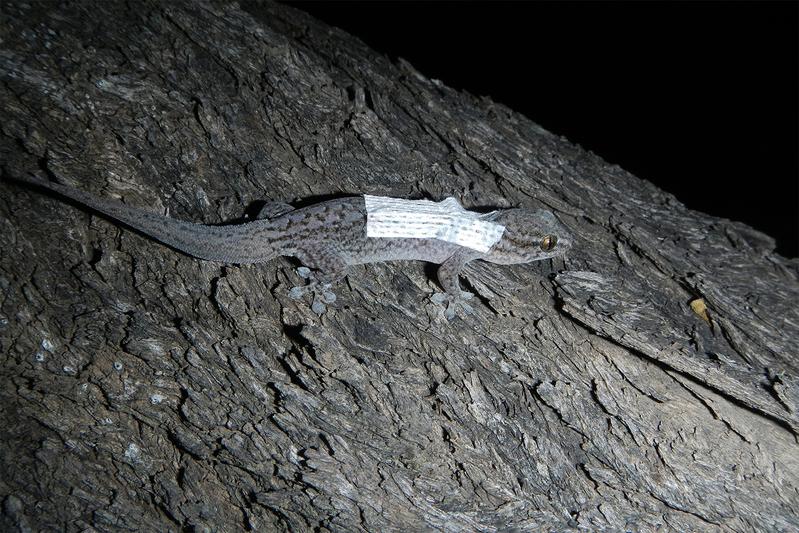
{"x": 330, "y": 236}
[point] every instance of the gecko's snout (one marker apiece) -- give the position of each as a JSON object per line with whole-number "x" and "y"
{"x": 564, "y": 243}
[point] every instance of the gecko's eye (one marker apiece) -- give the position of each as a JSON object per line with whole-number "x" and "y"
{"x": 548, "y": 243}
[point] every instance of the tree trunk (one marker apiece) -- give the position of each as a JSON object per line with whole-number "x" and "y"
{"x": 648, "y": 381}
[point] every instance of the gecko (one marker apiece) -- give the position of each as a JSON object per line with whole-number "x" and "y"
{"x": 329, "y": 237}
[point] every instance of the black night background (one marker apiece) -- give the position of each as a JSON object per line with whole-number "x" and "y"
{"x": 699, "y": 98}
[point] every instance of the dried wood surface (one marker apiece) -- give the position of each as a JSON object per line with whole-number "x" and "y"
{"x": 648, "y": 381}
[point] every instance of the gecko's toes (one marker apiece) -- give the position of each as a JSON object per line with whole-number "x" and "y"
{"x": 439, "y": 297}
{"x": 328, "y": 297}
{"x": 304, "y": 272}
{"x": 453, "y": 305}
{"x": 318, "y": 307}
{"x": 323, "y": 295}
{"x": 321, "y": 292}
{"x": 296, "y": 293}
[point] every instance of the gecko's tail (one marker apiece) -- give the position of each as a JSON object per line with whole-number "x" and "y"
{"x": 241, "y": 243}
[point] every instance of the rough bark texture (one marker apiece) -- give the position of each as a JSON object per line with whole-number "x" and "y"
{"x": 146, "y": 390}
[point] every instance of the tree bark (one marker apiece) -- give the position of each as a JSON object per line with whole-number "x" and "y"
{"x": 647, "y": 381}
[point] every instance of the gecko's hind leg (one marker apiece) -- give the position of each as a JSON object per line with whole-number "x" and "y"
{"x": 328, "y": 268}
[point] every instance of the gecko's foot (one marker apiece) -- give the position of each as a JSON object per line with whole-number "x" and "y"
{"x": 304, "y": 272}
{"x": 321, "y": 292}
{"x": 453, "y": 304}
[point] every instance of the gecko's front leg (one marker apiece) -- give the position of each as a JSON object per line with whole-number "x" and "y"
{"x": 322, "y": 268}
{"x": 448, "y": 274}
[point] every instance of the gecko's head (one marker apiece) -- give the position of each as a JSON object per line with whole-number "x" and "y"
{"x": 530, "y": 235}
